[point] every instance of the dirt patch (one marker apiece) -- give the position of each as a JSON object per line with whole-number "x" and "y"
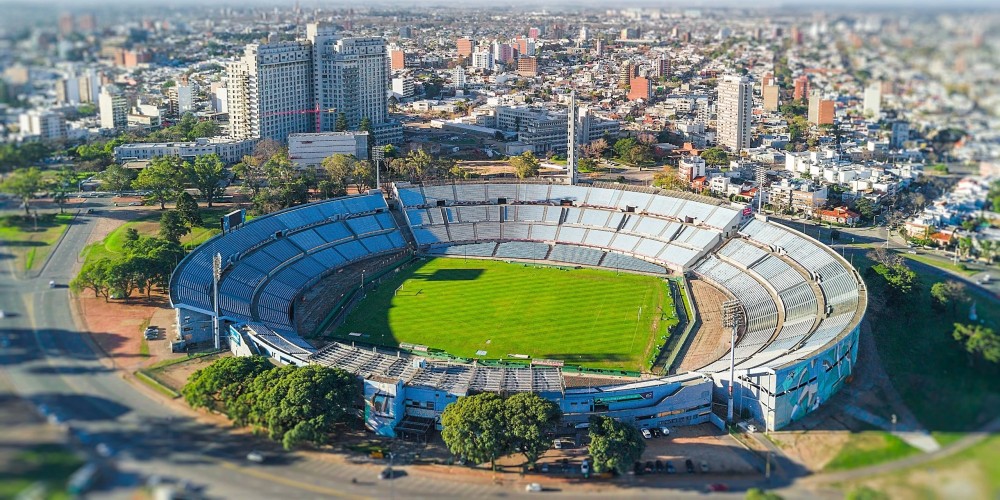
{"x": 175, "y": 376}
{"x": 117, "y": 327}
{"x": 710, "y": 340}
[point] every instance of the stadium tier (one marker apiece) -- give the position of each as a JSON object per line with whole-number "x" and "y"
{"x": 801, "y": 303}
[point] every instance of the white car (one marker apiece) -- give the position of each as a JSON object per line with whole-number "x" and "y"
{"x": 2, "y": 314}
{"x": 751, "y": 428}
{"x": 585, "y": 468}
{"x": 646, "y": 434}
{"x": 255, "y": 457}
{"x": 533, "y": 488}
{"x": 557, "y": 444}
{"x": 665, "y": 431}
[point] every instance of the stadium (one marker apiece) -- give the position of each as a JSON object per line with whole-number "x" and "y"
{"x": 454, "y": 289}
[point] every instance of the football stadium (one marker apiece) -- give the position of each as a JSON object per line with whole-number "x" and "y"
{"x": 654, "y": 307}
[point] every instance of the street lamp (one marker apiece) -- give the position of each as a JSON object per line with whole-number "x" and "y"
{"x": 377, "y": 156}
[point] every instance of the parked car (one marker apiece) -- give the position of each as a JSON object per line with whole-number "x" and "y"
{"x": 718, "y": 487}
{"x": 545, "y": 468}
{"x": 386, "y": 473}
{"x": 665, "y": 431}
{"x": 255, "y": 457}
{"x": 655, "y": 432}
{"x": 659, "y": 466}
{"x": 649, "y": 466}
{"x": 585, "y": 468}
{"x": 646, "y": 434}
{"x": 670, "y": 467}
{"x": 637, "y": 468}
{"x": 557, "y": 444}
{"x": 533, "y": 488}
{"x": 704, "y": 467}
{"x": 751, "y": 428}
{"x": 689, "y": 465}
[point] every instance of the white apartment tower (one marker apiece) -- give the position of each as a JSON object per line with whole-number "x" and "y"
{"x": 873, "y": 100}
{"x": 295, "y": 87}
{"x": 458, "y": 77}
{"x": 113, "y": 108}
{"x": 734, "y": 111}
{"x": 270, "y": 91}
{"x": 572, "y": 138}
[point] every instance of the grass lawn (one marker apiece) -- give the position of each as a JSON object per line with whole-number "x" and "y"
{"x": 972, "y": 473}
{"x": 939, "y": 263}
{"x": 946, "y": 389}
{"x": 29, "y": 246}
{"x": 51, "y": 464}
{"x": 149, "y": 225}
{"x": 869, "y": 448}
{"x": 584, "y": 317}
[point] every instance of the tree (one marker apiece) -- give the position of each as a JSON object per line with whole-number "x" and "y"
{"x": 614, "y": 445}
{"x": 596, "y": 148}
{"x": 715, "y": 156}
{"x": 623, "y": 147}
{"x": 116, "y": 178}
{"x": 669, "y": 178}
{"x": 948, "y": 293}
{"x": 530, "y": 419}
{"x": 475, "y": 426}
{"x": 207, "y": 128}
{"x": 524, "y": 165}
{"x": 899, "y": 280}
{"x": 363, "y": 175}
{"x": 251, "y": 171}
{"x": 24, "y": 183}
{"x": 188, "y": 208}
{"x": 586, "y": 165}
{"x": 299, "y": 405}
{"x": 338, "y": 167}
{"x": 163, "y": 179}
{"x": 222, "y": 382}
{"x": 965, "y": 246}
{"x": 418, "y": 164}
{"x": 978, "y": 340}
{"x": 341, "y": 123}
{"x": 92, "y": 276}
{"x": 640, "y": 155}
{"x": 172, "y": 226}
{"x": 865, "y": 207}
{"x": 206, "y": 174}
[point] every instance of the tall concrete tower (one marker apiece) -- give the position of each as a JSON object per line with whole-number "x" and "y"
{"x": 572, "y": 134}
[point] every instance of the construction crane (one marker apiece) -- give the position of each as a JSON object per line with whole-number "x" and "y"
{"x": 308, "y": 111}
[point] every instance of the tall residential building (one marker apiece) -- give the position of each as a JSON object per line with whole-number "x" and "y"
{"x": 283, "y": 88}
{"x": 458, "y": 77}
{"x": 769, "y": 91}
{"x": 181, "y": 99}
{"x": 820, "y": 110}
{"x": 663, "y": 68}
{"x": 584, "y": 34}
{"x": 397, "y": 59}
{"x": 527, "y": 66}
{"x": 801, "y": 90}
{"x": 45, "y": 125}
{"x": 482, "y": 59}
{"x": 735, "y": 110}
{"x": 640, "y": 87}
{"x": 465, "y": 47}
{"x": 691, "y": 167}
{"x": 873, "y": 100}
{"x": 270, "y": 91}
{"x": 113, "y": 108}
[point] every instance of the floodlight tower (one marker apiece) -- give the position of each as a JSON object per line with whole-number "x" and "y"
{"x": 732, "y": 318}
{"x": 216, "y": 275}
{"x": 572, "y": 133}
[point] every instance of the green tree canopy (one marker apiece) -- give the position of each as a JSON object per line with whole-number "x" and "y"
{"x": 188, "y": 208}
{"x": 223, "y": 381}
{"x": 898, "y": 279}
{"x": 116, "y": 178}
{"x": 945, "y": 294}
{"x": 979, "y": 340}
{"x": 163, "y": 178}
{"x": 715, "y": 156}
{"x": 530, "y": 419}
{"x": 172, "y": 226}
{"x": 623, "y": 147}
{"x": 525, "y": 165}
{"x": 614, "y": 445}
{"x": 338, "y": 167}
{"x": 24, "y": 183}
{"x": 207, "y": 174}
{"x": 475, "y": 427}
{"x": 207, "y": 128}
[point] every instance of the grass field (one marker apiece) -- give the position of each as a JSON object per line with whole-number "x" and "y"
{"x": 28, "y": 246}
{"x": 584, "y": 317}
{"x": 49, "y": 465}
{"x": 113, "y": 245}
{"x": 869, "y": 448}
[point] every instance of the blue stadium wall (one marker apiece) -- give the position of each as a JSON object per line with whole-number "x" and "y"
{"x": 782, "y": 396}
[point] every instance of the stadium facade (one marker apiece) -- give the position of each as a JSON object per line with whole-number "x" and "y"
{"x": 802, "y": 303}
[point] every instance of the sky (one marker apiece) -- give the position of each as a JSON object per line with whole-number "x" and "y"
{"x": 993, "y": 4}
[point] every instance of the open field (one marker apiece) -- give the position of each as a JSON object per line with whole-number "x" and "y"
{"x": 29, "y": 245}
{"x": 868, "y": 448}
{"x": 149, "y": 225}
{"x": 585, "y": 317}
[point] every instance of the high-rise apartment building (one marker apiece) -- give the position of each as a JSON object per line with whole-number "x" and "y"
{"x": 284, "y": 88}
{"x": 734, "y": 111}
{"x": 465, "y": 46}
{"x": 801, "y": 89}
{"x": 45, "y": 125}
{"x": 820, "y": 110}
{"x": 640, "y": 87}
{"x": 873, "y": 100}
{"x": 458, "y": 77}
{"x": 769, "y": 92}
{"x": 482, "y": 59}
{"x": 527, "y": 66}
{"x": 397, "y": 59}
{"x": 113, "y": 108}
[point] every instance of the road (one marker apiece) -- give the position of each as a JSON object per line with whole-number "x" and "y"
{"x": 49, "y": 362}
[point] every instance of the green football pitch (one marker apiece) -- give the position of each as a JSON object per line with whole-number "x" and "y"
{"x": 585, "y": 317}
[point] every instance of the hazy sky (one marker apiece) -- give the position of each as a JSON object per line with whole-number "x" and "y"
{"x": 535, "y": 3}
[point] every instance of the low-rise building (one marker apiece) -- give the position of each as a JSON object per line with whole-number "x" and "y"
{"x": 229, "y": 150}
{"x": 839, "y": 215}
{"x": 307, "y": 150}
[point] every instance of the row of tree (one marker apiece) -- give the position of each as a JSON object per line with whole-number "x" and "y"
{"x": 25, "y": 183}
{"x": 292, "y": 405}
{"x": 146, "y": 263}
{"x": 166, "y": 176}
{"x": 484, "y": 427}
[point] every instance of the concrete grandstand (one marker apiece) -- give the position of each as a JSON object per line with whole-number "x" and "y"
{"x": 802, "y": 303}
